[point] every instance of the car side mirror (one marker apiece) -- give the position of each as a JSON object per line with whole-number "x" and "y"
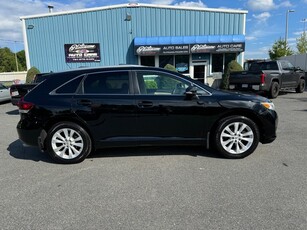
{"x": 297, "y": 68}
{"x": 191, "y": 92}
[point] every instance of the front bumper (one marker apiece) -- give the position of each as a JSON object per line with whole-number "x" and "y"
{"x": 269, "y": 126}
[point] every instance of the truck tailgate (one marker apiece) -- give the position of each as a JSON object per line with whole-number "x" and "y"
{"x": 245, "y": 80}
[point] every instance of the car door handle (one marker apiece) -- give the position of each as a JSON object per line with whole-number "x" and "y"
{"x": 145, "y": 104}
{"x": 84, "y": 102}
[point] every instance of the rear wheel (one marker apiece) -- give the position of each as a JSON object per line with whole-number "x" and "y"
{"x": 274, "y": 91}
{"x": 236, "y": 137}
{"x": 68, "y": 143}
{"x": 301, "y": 86}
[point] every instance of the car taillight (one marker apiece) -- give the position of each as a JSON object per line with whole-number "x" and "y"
{"x": 24, "y": 106}
{"x": 262, "y": 79}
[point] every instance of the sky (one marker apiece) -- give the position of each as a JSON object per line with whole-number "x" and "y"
{"x": 265, "y": 21}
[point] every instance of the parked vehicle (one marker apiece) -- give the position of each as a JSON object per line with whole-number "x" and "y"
{"x": 269, "y": 77}
{"x": 72, "y": 113}
{"x": 19, "y": 90}
{"x": 4, "y": 93}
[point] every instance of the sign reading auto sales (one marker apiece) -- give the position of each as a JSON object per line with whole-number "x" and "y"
{"x": 82, "y": 52}
{"x": 151, "y": 50}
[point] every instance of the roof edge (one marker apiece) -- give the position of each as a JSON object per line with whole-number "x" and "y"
{"x": 134, "y": 5}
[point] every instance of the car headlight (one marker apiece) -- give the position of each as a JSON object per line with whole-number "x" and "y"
{"x": 268, "y": 105}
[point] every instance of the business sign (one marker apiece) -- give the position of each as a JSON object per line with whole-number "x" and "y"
{"x": 82, "y": 52}
{"x": 218, "y": 48}
{"x": 190, "y": 48}
{"x": 161, "y": 50}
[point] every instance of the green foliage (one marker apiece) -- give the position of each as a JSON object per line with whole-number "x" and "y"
{"x": 8, "y": 61}
{"x": 151, "y": 84}
{"x": 170, "y": 67}
{"x": 21, "y": 58}
{"x": 280, "y": 49}
{"x": 233, "y": 66}
{"x": 301, "y": 43}
{"x": 31, "y": 74}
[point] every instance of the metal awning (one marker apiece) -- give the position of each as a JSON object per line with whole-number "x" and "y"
{"x": 182, "y": 40}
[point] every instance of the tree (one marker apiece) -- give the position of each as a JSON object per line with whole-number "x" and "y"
{"x": 21, "y": 57}
{"x": 170, "y": 67}
{"x": 280, "y": 49}
{"x": 31, "y": 74}
{"x": 233, "y": 66}
{"x": 301, "y": 43}
{"x": 8, "y": 61}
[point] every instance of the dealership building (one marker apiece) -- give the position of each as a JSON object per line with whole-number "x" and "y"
{"x": 199, "y": 42}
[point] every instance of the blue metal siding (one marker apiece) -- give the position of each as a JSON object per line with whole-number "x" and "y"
{"x": 115, "y": 35}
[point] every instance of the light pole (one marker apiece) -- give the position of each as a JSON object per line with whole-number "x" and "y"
{"x": 304, "y": 20}
{"x": 287, "y": 16}
{"x": 16, "y": 60}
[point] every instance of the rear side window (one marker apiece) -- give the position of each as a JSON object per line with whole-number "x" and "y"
{"x": 107, "y": 83}
{"x": 69, "y": 87}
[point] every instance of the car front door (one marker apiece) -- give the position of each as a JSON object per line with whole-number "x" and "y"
{"x": 165, "y": 114}
{"x": 106, "y": 103}
{"x": 289, "y": 75}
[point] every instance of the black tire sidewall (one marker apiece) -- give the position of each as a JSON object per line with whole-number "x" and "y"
{"x": 301, "y": 86}
{"x": 86, "y": 140}
{"x": 274, "y": 91}
{"x": 226, "y": 121}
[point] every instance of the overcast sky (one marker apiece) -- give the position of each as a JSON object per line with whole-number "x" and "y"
{"x": 265, "y": 24}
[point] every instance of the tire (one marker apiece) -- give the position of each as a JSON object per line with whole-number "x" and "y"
{"x": 301, "y": 86}
{"x": 236, "y": 137}
{"x": 274, "y": 91}
{"x": 68, "y": 143}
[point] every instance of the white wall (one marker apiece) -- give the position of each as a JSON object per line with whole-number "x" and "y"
{"x": 11, "y": 76}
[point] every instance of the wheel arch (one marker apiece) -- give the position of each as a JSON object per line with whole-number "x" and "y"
{"x": 60, "y": 119}
{"x": 236, "y": 112}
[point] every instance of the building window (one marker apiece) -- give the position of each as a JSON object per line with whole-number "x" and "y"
{"x": 164, "y": 60}
{"x": 148, "y": 60}
{"x": 217, "y": 63}
{"x": 182, "y": 63}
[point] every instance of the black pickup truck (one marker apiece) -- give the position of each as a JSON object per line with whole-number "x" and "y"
{"x": 19, "y": 90}
{"x": 269, "y": 77}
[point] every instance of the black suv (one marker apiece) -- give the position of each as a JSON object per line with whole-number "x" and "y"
{"x": 75, "y": 112}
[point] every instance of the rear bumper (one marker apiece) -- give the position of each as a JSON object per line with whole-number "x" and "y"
{"x": 15, "y": 100}
{"x": 248, "y": 87}
{"x": 29, "y": 137}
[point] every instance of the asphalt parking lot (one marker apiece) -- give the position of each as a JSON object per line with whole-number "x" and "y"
{"x": 159, "y": 188}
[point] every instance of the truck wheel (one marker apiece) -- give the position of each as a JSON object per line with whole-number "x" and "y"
{"x": 301, "y": 86}
{"x": 68, "y": 143}
{"x": 236, "y": 137}
{"x": 274, "y": 91}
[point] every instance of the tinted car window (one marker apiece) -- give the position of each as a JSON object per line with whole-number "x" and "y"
{"x": 2, "y": 86}
{"x": 161, "y": 84}
{"x": 264, "y": 66}
{"x": 107, "y": 83}
{"x": 71, "y": 86}
{"x": 286, "y": 65}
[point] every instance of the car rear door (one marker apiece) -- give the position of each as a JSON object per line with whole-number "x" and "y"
{"x": 105, "y": 103}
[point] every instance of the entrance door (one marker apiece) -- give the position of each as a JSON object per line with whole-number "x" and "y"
{"x": 200, "y": 73}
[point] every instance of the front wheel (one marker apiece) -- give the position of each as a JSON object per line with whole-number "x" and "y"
{"x": 236, "y": 137}
{"x": 301, "y": 86}
{"x": 68, "y": 143}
